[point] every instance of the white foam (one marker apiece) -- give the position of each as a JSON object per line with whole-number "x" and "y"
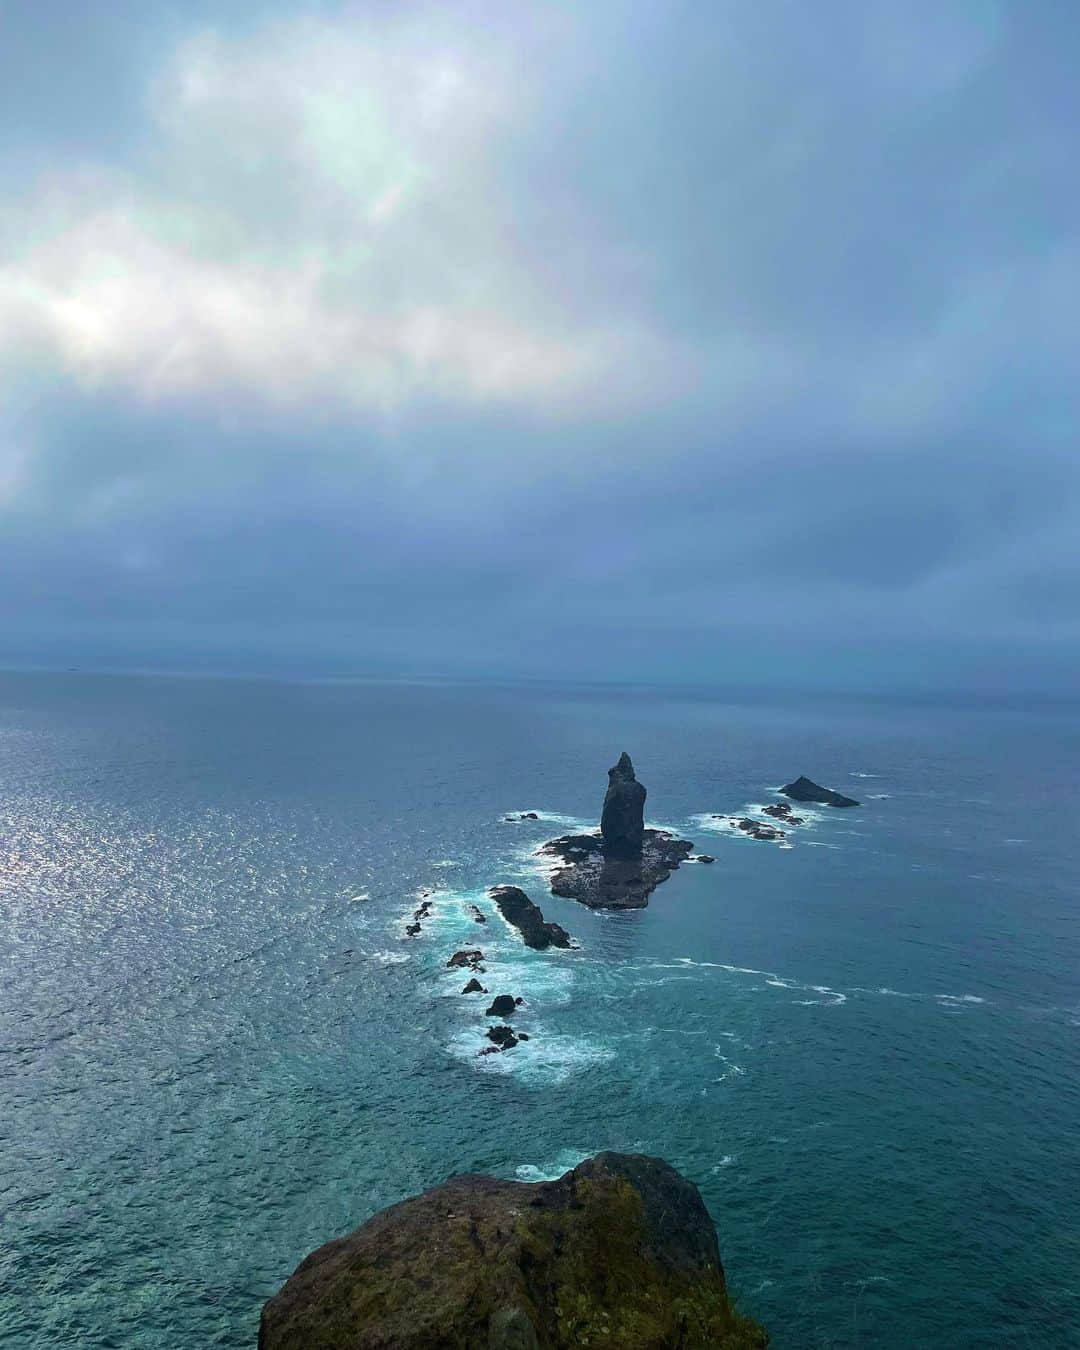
{"x": 563, "y": 1162}
{"x": 446, "y": 862}
{"x": 958, "y": 998}
{"x": 389, "y": 958}
{"x": 865, "y": 775}
{"x": 731, "y": 1069}
{"x": 545, "y": 1058}
{"x": 725, "y": 1161}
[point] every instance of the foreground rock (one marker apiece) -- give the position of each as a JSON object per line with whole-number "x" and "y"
{"x": 620, "y": 1252}
{"x": 621, "y": 866}
{"x": 602, "y": 882}
{"x": 517, "y": 909}
{"x": 805, "y": 790}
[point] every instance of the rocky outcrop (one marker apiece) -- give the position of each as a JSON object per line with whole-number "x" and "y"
{"x": 622, "y": 820}
{"x": 620, "y": 866}
{"x": 782, "y": 811}
{"x": 502, "y": 1038}
{"x": 517, "y": 909}
{"x": 805, "y": 790}
{"x": 602, "y": 882}
{"x": 620, "y": 1252}
{"x": 502, "y": 1005}
{"x": 470, "y": 959}
{"x": 474, "y": 987}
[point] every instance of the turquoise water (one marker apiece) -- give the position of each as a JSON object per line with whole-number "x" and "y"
{"x": 218, "y": 1050}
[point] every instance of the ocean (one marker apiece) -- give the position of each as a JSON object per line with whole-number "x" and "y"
{"x": 218, "y": 1049}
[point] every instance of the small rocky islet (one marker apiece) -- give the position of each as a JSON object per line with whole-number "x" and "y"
{"x": 618, "y": 1252}
{"x": 620, "y": 866}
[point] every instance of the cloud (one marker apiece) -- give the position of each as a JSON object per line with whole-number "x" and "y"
{"x": 320, "y": 218}
{"x": 593, "y": 339}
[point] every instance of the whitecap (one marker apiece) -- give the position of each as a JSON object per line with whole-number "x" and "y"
{"x": 725, "y": 1161}
{"x": 389, "y": 958}
{"x": 563, "y": 1162}
{"x": 544, "y": 1059}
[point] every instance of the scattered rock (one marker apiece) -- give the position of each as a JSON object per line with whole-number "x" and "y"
{"x": 411, "y": 929}
{"x": 757, "y": 829}
{"x": 619, "y": 1252}
{"x": 517, "y": 909}
{"x": 474, "y": 987}
{"x": 782, "y": 811}
{"x": 523, "y": 1035}
{"x": 469, "y": 958}
{"x": 701, "y": 858}
{"x": 478, "y": 916}
{"x": 502, "y": 1037}
{"x": 806, "y": 790}
{"x": 502, "y": 1005}
{"x": 522, "y": 815}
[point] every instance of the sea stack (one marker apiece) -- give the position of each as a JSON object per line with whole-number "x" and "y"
{"x": 619, "y": 1252}
{"x": 622, "y": 821}
{"x": 622, "y": 863}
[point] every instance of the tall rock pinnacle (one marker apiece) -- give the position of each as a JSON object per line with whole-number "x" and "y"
{"x": 622, "y": 822}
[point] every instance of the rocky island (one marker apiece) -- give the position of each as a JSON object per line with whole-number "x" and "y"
{"x": 619, "y": 1252}
{"x": 621, "y": 865}
{"x": 806, "y": 790}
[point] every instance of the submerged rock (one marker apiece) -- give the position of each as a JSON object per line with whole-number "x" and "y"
{"x": 622, "y": 820}
{"x": 517, "y": 909}
{"x": 476, "y": 914}
{"x": 805, "y": 790}
{"x": 620, "y": 1252}
{"x": 701, "y": 858}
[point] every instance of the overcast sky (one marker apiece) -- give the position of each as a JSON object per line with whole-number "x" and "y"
{"x": 719, "y": 342}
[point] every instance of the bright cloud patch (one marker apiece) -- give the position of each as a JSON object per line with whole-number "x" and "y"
{"x": 323, "y": 217}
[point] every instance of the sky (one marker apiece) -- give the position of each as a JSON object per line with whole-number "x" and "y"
{"x": 715, "y": 343}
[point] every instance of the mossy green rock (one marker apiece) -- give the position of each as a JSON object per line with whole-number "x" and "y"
{"x": 619, "y": 1252}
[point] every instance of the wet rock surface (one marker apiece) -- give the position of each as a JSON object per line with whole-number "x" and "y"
{"x": 620, "y": 1252}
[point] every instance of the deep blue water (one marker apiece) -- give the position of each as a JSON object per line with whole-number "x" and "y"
{"x": 218, "y": 1050}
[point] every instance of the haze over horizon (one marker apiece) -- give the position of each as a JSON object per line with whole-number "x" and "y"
{"x": 709, "y": 344}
